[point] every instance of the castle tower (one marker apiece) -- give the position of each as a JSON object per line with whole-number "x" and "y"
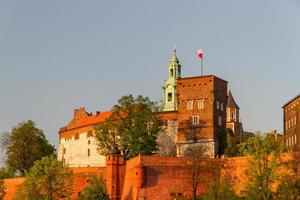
{"x": 169, "y": 87}
{"x": 233, "y": 117}
{"x": 115, "y": 170}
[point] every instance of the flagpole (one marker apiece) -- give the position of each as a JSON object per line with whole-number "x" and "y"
{"x": 202, "y": 66}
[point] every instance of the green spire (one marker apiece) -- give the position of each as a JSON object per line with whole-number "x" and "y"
{"x": 169, "y": 87}
{"x": 174, "y": 66}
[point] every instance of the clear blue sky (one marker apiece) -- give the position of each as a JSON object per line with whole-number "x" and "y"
{"x": 62, "y": 54}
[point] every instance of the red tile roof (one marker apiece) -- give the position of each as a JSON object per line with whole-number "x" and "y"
{"x": 87, "y": 120}
{"x": 94, "y": 119}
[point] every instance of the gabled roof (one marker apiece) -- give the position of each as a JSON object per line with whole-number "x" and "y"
{"x": 291, "y": 100}
{"x": 230, "y": 101}
{"x": 81, "y": 119}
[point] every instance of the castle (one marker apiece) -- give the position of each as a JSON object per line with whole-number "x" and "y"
{"x": 195, "y": 111}
{"x": 291, "y": 129}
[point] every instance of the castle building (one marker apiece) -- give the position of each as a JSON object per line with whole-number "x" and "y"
{"x": 195, "y": 111}
{"x": 233, "y": 117}
{"x": 291, "y": 114}
{"x": 77, "y": 145}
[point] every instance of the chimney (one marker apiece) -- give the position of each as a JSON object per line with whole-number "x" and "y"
{"x": 76, "y": 111}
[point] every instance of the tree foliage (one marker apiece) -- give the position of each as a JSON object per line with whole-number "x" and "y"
{"x": 132, "y": 128}
{"x": 95, "y": 190}
{"x": 220, "y": 190}
{"x": 289, "y": 189}
{"x": 24, "y": 145}
{"x": 48, "y": 179}
{"x": 7, "y": 172}
{"x": 266, "y": 168}
{"x": 229, "y": 143}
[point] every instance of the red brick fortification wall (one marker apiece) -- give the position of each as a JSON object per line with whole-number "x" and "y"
{"x": 81, "y": 177}
{"x": 11, "y": 185}
{"x": 158, "y": 177}
{"x": 152, "y": 177}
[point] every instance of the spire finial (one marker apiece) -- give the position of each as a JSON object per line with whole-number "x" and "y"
{"x": 174, "y": 48}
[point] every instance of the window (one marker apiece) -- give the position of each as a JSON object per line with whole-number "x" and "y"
{"x": 89, "y": 141}
{"x": 76, "y": 136}
{"x": 200, "y": 104}
{"x": 190, "y": 105}
{"x": 169, "y": 96}
{"x": 172, "y": 72}
{"x": 222, "y": 106}
{"x": 220, "y": 121}
{"x": 295, "y": 139}
{"x": 89, "y": 152}
{"x": 64, "y": 151}
{"x": 218, "y": 105}
{"x": 295, "y": 120}
{"x": 195, "y": 120}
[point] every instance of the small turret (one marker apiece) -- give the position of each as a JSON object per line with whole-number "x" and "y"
{"x": 169, "y": 87}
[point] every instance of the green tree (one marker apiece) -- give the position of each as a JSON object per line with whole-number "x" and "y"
{"x": 264, "y": 165}
{"x": 232, "y": 149}
{"x": 289, "y": 190}
{"x": 132, "y": 128}
{"x": 220, "y": 190}
{"x": 24, "y": 145}
{"x": 229, "y": 143}
{"x": 95, "y": 190}
{"x": 48, "y": 179}
{"x": 2, "y": 189}
{"x": 7, "y": 172}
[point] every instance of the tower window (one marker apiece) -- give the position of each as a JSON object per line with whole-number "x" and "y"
{"x": 200, "y": 104}
{"x": 190, "y": 105}
{"x": 169, "y": 96}
{"x": 172, "y": 72}
{"x": 220, "y": 121}
{"x": 195, "y": 120}
{"x": 89, "y": 152}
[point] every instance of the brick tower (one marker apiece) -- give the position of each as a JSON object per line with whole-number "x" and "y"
{"x": 115, "y": 170}
{"x": 201, "y": 113}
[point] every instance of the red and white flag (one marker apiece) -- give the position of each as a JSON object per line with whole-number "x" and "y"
{"x": 200, "y": 53}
